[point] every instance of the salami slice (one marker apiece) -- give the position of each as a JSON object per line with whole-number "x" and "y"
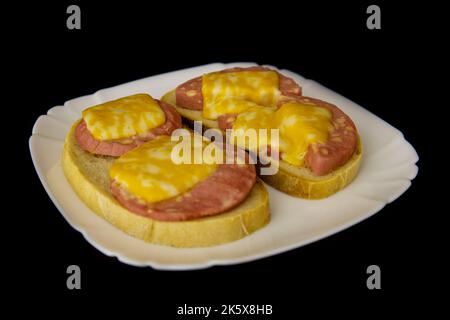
{"x": 340, "y": 145}
{"x": 189, "y": 94}
{"x": 118, "y": 147}
{"x": 326, "y": 157}
{"x": 224, "y": 189}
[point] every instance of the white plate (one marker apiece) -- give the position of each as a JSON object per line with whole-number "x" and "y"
{"x": 386, "y": 172}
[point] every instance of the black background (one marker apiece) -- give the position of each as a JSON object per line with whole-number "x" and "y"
{"x": 387, "y": 71}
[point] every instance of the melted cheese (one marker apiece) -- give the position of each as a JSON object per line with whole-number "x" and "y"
{"x": 235, "y": 92}
{"x": 255, "y": 119}
{"x": 124, "y": 117}
{"x": 299, "y": 126}
{"x": 149, "y": 173}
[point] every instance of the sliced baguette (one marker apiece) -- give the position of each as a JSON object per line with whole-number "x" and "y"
{"x": 296, "y": 181}
{"x": 88, "y": 175}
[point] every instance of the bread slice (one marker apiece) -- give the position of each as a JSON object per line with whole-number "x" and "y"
{"x": 299, "y": 182}
{"x": 88, "y": 175}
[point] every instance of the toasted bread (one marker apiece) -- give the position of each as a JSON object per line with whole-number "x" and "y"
{"x": 88, "y": 175}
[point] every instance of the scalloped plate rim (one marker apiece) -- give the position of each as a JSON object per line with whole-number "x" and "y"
{"x": 212, "y": 262}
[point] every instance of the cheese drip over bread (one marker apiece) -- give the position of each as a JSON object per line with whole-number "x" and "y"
{"x": 235, "y": 92}
{"x": 299, "y": 126}
{"x": 124, "y": 118}
{"x": 149, "y": 173}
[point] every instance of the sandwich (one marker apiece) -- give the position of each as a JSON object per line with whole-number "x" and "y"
{"x": 318, "y": 151}
{"x": 119, "y": 159}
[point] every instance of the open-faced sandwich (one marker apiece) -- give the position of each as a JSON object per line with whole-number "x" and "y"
{"x": 318, "y": 150}
{"x": 119, "y": 159}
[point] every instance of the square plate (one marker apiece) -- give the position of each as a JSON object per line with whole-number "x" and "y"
{"x": 387, "y": 168}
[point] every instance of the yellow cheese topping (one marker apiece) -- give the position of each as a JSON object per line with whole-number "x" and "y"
{"x": 123, "y": 118}
{"x": 235, "y": 92}
{"x": 149, "y": 173}
{"x": 299, "y": 126}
